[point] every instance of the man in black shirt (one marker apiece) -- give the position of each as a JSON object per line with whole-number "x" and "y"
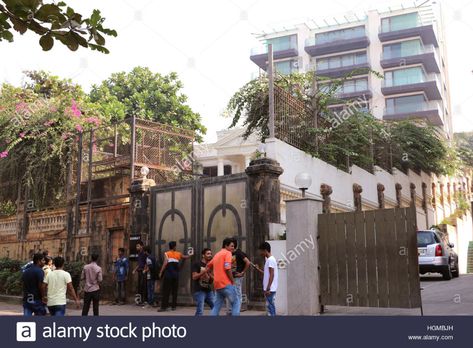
{"x": 32, "y": 288}
{"x": 240, "y": 264}
{"x": 203, "y": 292}
{"x": 142, "y": 283}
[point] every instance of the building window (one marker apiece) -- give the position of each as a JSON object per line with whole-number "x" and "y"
{"x": 403, "y": 49}
{"x": 283, "y": 43}
{"x": 342, "y": 34}
{"x": 213, "y": 171}
{"x": 410, "y": 103}
{"x": 345, "y": 60}
{"x": 286, "y": 67}
{"x": 406, "y": 21}
{"x": 350, "y": 86}
{"x": 404, "y": 77}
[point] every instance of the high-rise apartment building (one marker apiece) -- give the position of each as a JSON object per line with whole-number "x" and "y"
{"x": 406, "y": 45}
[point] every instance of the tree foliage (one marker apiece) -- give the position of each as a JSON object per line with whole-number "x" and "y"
{"x": 342, "y": 138}
{"x": 53, "y": 22}
{"x": 39, "y": 123}
{"x": 146, "y": 95}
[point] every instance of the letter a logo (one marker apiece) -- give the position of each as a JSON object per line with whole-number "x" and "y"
{"x": 26, "y": 332}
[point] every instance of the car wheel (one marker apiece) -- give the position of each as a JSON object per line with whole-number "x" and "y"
{"x": 456, "y": 273}
{"x": 447, "y": 274}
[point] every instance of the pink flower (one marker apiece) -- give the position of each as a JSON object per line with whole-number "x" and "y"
{"x": 75, "y": 109}
{"x": 21, "y": 107}
{"x": 93, "y": 120}
{"x": 3, "y": 154}
{"x": 22, "y": 135}
{"x": 49, "y": 123}
{"x": 79, "y": 128}
{"x": 65, "y": 136}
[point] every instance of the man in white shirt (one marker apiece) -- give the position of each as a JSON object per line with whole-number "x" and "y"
{"x": 57, "y": 284}
{"x": 270, "y": 277}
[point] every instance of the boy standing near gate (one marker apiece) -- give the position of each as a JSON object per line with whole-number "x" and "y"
{"x": 121, "y": 268}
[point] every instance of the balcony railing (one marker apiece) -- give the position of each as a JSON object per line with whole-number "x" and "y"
{"x": 263, "y": 49}
{"x": 419, "y": 23}
{"x": 414, "y": 108}
{"x": 410, "y": 80}
{"x": 422, "y": 50}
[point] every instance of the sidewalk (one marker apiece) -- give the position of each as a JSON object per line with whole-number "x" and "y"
{"x": 9, "y": 308}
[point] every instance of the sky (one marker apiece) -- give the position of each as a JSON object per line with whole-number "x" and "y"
{"x": 208, "y": 44}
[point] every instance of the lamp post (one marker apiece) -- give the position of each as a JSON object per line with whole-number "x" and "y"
{"x": 303, "y": 182}
{"x": 144, "y": 172}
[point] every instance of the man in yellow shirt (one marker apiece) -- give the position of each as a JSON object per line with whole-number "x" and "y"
{"x": 56, "y": 284}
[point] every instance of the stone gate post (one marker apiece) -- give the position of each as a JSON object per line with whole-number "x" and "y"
{"x": 303, "y": 279}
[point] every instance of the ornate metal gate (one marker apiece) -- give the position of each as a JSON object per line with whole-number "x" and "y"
{"x": 200, "y": 214}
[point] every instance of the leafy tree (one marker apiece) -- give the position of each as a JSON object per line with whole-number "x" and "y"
{"x": 53, "y": 21}
{"x": 146, "y": 95}
{"x": 39, "y": 123}
{"x": 341, "y": 138}
{"x": 464, "y": 143}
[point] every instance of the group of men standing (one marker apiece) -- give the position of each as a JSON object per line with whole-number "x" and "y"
{"x": 226, "y": 271}
{"x": 46, "y": 285}
{"x": 217, "y": 280}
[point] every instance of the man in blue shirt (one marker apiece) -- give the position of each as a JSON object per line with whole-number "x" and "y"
{"x": 32, "y": 288}
{"x": 120, "y": 275}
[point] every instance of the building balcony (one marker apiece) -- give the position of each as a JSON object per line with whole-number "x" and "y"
{"x": 425, "y": 31}
{"x": 259, "y": 55}
{"x": 354, "y": 70}
{"x": 362, "y": 96}
{"x": 427, "y": 56}
{"x": 431, "y": 111}
{"x": 430, "y": 86}
{"x": 317, "y": 48}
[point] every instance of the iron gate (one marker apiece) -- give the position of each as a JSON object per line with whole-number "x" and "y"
{"x": 200, "y": 214}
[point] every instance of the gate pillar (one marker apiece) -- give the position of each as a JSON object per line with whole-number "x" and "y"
{"x": 265, "y": 207}
{"x": 139, "y": 207}
{"x": 302, "y": 256}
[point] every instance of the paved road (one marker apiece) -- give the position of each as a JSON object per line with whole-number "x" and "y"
{"x": 439, "y": 297}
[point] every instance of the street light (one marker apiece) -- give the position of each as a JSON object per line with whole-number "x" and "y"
{"x": 303, "y": 182}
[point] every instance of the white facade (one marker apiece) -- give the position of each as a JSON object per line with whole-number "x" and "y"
{"x": 233, "y": 150}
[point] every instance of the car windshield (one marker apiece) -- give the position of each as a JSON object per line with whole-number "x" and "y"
{"x": 425, "y": 238}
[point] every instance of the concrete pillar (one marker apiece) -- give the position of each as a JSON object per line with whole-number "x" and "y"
{"x": 265, "y": 198}
{"x": 220, "y": 167}
{"x": 381, "y": 200}
{"x": 140, "y": 213}
{"x": 303, "y": 279}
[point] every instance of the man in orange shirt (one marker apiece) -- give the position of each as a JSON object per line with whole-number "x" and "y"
{"x": 170, "y": 275}
{"x": 221, "y": 264}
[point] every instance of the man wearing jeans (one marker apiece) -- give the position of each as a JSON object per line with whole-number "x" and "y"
{"x": 57, "y": 284}
{"x": 121, "y": 268}
{"x": 240, "y": 264}
{"x": 202, "y": 283}
{"x": 270, "y": 277}
{"x": 92, "y": 275}
{"x": 224, "y": 286}
{"x": 142, "y": 284}
{"x": 32, "y": 278}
